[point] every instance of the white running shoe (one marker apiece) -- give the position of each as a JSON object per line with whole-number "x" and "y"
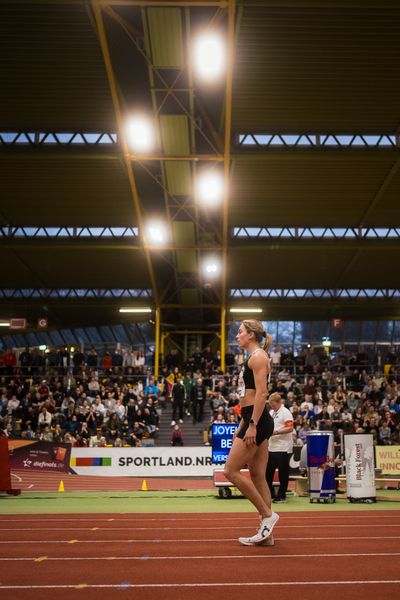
{"x": 248, "y": 541}
{"x": 173, "y": 423}
{"x": 264, "y": 532}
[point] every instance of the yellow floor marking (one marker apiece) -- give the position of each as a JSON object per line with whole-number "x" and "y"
{"x": 94, "y": 528}
{"x": 40, "y": 558}
{"x": 80, "y": 586}
{"x": 111, "y": 519}
{"x": 72, "y": 541}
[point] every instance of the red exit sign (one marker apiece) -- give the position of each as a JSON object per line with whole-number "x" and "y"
{"x": 17, "y": 323}
{"x": 337, "y": 323}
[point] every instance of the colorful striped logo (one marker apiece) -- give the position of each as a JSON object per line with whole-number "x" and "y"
{"x": 91, "y": 461}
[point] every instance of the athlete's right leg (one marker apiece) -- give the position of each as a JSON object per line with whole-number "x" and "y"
{"x": 257, "y": 468}
{"x": 241, "y": 455}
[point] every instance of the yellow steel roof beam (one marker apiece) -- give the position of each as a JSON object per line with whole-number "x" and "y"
{"x": 122, "y": 137}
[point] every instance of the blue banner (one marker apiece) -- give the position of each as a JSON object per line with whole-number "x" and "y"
{"x": 222, "y": 437}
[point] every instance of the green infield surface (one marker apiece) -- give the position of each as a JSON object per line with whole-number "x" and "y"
{"x": 185, "y": 501}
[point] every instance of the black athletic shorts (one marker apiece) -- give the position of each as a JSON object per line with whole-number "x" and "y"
{"x": 265, "y": 425}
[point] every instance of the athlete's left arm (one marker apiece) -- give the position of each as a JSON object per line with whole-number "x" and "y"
{"x": 259, "y": 366}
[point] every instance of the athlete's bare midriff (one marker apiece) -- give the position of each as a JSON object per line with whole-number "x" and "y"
{"x": 248, "y": 399}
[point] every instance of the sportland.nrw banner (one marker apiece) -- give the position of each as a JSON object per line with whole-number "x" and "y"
{"x": 360, "y": 467}
{"x": 143, "y": 462}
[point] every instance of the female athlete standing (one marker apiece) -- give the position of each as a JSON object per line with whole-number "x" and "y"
{"x": 250, "y": 446}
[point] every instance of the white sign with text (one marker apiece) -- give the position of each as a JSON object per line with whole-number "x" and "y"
{"x": 143, "y": 462}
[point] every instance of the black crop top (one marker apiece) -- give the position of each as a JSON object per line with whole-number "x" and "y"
{"x": 248, "y": 376}
{"x": 246, "y": 379}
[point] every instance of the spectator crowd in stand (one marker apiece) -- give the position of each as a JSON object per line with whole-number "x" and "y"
{"x": 113, "y": 400}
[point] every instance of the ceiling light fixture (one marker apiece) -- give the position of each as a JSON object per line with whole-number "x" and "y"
{"x": 211, "y": 268}
{"x": 156, "y": 233}
{"x": 209, "y": 56}
{"x": 245, "y": 310}
{"x": 209, "y": 188}
{"x": 127, "y": 309}
{"x": 140, "y": 134}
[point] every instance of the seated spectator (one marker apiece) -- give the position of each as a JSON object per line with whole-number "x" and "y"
{"x": 306, "y": 404}
{"x": 125, "y": 429}
{"x": 73, "y": 425}
{"x": 385, "y": 434}
{"x": 139, "y": 362}
{"x": 107, "y": 362}
{"x": 220, "y": 416}
{"x": 303, "y": 431}
{"x": 138, "y": 429}
{"x": 80, "y": 441}
{"x": 120, "y": 409}
{"x": 275, "y": 356}
{"x": 318, "y": 408}
{"x": 94, "y": 440}
{"x": 45, "y": 418}
{"x": 218, "y": 401}
{"x": 150, "y": 421}
{"x": 233, "y": 417}
{"x": 112, "y": 434}
{"x": 116, "y": 360}
{"x": 13, "y": 406}
{"x": 176, "y": 436}
{"x": 151, "y": 388}
{"x": 346, "y": 415}
{"x": 94, "y": 386}
{"x": 336, "y": 417}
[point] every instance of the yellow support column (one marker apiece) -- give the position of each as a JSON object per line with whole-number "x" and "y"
{"x": 227, "y": 166}
{"x": 223, "y": 338}
{"x": 157, "y": 345}
{"x": 162, "y": 344}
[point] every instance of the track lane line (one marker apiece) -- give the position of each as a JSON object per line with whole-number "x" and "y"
{"x": 206, "y": 557}
{"x": 219, "y": 528}
{"x": 284, "y": 516}
{"x": 201, "y": 584}
{"x": 196, "y": 540}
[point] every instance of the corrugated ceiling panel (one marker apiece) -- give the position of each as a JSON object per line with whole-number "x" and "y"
{"x": 387, "y": 210}
{"x": 371, "y": 261}
{"x": 76, "y": 268}
{"x": 304, "y": 192}
{"x": 315, "y": 67}
{"x": 42, "y": 190}
{"x": 165, "y": 26}
{"x": 178, "y": 178}
{"x": 275, "y": 268}
{"x": 175, "y": 134}
{"x": 51, "y": 70}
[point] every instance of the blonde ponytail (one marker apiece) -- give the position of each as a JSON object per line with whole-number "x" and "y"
{"x": 268, "y": 342}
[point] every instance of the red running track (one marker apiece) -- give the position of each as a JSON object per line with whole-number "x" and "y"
{"x": 49, "y": 482}
{"x": 351, "y": 554}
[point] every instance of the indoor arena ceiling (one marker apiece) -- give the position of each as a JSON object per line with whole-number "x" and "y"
{"x": 304, "y": 124}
